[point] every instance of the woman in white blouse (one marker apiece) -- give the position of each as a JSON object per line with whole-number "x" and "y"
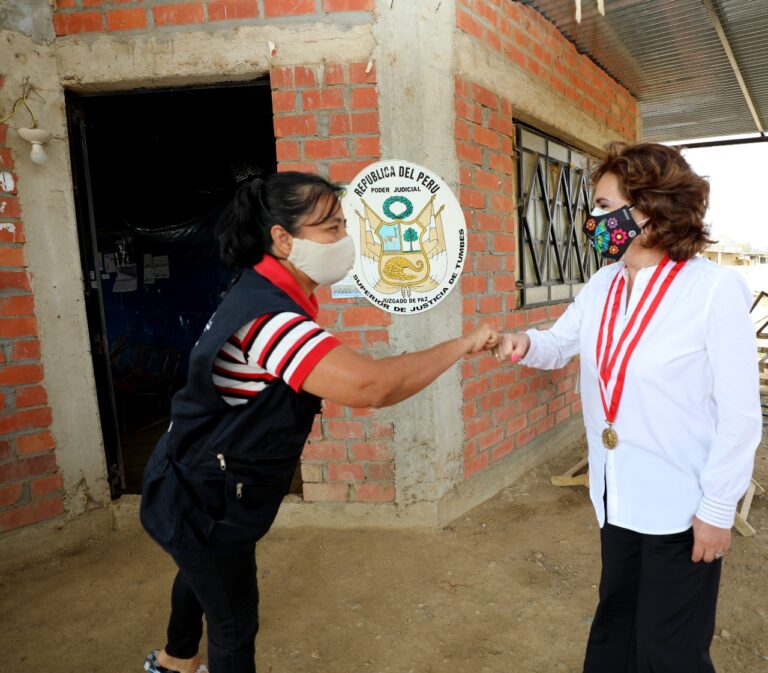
{"x": 669, "y": 389}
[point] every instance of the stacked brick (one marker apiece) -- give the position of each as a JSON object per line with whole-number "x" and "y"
{"x": 505, "y": 406}
{"x": 327, "y": 122}
{"x": 99, "y": 16}
{"x": 526, "y": 39}
{"x": 30, "y": 488}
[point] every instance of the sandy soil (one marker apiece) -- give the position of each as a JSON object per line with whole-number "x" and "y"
{"x": 510, "y": 587}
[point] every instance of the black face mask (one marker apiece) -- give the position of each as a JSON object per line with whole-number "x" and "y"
{"x": 611, "y": 233}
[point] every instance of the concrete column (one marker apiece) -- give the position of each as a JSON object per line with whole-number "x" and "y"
{"x": 415, "y": 63}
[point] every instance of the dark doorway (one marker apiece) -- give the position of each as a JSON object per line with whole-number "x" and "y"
{"x": 152, "y": 171}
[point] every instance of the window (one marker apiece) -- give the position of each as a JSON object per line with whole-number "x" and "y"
{"x": 555, "y": 257}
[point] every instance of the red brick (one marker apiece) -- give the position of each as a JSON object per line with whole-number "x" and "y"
{"x": 322, "y": 450}
{"x": 13, "y": 235}
{"x": 78, "y": 22}
{"x": 325, "y": 492}
{"x": 469, "y": 24}
{"x": 471, "y": 198}
{"x": 502, "y": 449}
{"x": 46, "y": 486}
{"x": 345, "y": 171}
{"x": 126, "y": 19}
{"x": 22, "y": 469}
{"x": 26, "y": 350}
{"x": 175, "y": 15}
{"x": 357, "y": 74}
{"x": 364, "y": 98}
{"x": 304, "y": 76}
{"x": 42, "y": 441}
{"x": 469, "y": 152}
{"x": 295, "y": 125}
{"x": 9, "y": 207}
{"x": 380, "y": 431}
{"x": 380, "y": 472}
{"x": 65, "y": 4}
{"x": 366, "y": 147}
{"x": 21, "y": 420}
{"x": 367, "y": 451}
{"x": 281, "y": 77}
{"x": 474, "y": 465}
{"x": 30, "y": 396}
{"x": 287, "y": 150}
{"x": 473, "y": 284}
{"x": 283, "y": 101}
{"x": 351, "y": 339}
{"x": 359, "y": 316}
{"x": 16, "y": 327}
{"x": 345, "y": 472}
{"x": 9, "y": 495}
{"x": 14, "y": 280}
{"x": 17, "y": 305}
{"x": 20, "y": 374}
{"x": 327, "y": 99}
{"x": 375, "y": 336}
{"x": 225, "y": 10}
{"x": 344, "y": 429}
{"x": 12, "y": 257}
{"x": 485, "y": 137}
{"x": 40, "y": 510}
{"x": 348, "y": 5}
{"x": 6, "y": 160}
{"x": 302, "y": 167}
{"x": 334, "y": 74}
{"x": 374, "y": 493}
{"x": 288, "y": 7}
{"x": 485, "y": 97}
{"x": 326, "y": 148}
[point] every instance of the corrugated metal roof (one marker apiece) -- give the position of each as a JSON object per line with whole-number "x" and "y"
{"x": 668, "y": 54}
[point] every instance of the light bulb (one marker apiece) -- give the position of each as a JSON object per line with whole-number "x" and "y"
{"x": 38, "y": 154}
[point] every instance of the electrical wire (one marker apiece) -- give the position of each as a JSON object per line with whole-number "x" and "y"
{"x": 25, "y": 91}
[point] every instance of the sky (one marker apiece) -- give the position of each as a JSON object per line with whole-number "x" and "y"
{"x": 738, "y": 178}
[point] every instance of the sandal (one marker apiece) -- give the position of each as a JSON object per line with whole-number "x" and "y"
{"x": 151, "y": 665}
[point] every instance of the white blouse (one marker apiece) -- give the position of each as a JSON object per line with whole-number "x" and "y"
{"x": 689, "y": 420}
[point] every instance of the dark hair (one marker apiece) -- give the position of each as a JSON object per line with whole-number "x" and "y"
{"x": 243, "y": 231}
{"x": 660, "y": 182}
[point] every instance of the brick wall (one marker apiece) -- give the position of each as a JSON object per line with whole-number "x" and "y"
{"x": 504, "y": 406}
{"x": 98, "y": 16}
{"x": 30, "y": 488}
{"x": 327, "y": 122}
{"x": 526, "y": 39}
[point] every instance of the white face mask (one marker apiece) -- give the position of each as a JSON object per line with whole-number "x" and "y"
{"x": 324, "y": 263}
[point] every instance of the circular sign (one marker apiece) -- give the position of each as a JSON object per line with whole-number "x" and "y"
{"x": 410, "y": 236}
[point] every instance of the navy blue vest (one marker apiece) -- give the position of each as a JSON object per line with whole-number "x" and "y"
{"x": 216, "y": 479}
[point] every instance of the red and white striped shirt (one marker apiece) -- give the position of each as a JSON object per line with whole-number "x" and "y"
{"x": 275, "y": 346}
{"x": 283, "y": 346}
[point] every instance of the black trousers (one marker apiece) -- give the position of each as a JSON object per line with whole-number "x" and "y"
{"x": 657, "y": 608}
{"x": 224, "y": 588}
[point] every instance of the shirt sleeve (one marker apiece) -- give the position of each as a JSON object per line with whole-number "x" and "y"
{"x": 731, "y": 349}
{"x": 553, "y": 348}
{"x": 287, "y": 346}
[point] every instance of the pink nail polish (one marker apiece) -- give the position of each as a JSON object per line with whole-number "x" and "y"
{"x": 515, "y": 357}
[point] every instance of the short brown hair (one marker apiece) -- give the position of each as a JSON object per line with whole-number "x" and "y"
{"x": 658, "y": 181}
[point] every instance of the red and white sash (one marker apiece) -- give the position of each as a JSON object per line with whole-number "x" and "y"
{"x": 612, "y": 362}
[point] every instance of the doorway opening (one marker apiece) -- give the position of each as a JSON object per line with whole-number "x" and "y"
{"x": 152, "y": 171}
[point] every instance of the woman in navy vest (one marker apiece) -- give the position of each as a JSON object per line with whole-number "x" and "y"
{"x": 257, "y": 376}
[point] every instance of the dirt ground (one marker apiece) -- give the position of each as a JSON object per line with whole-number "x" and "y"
{"x": 508, "y": 588}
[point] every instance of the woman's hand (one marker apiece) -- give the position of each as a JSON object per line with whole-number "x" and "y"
{"x": 482, "y": 338}
{"x": 709, "y": 542}
{"x": 512, "y": 346}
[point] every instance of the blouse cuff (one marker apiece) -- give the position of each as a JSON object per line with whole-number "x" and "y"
{"x": 531, "y": 354}
{"x": 716, "y": 513}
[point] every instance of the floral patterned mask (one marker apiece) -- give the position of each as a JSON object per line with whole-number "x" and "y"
{"x": 611, "y": 233}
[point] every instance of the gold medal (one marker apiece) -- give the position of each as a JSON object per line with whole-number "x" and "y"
{"x": 610, "y": 438}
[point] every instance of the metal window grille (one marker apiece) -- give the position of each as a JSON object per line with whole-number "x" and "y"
{"x": 555, "y": 256}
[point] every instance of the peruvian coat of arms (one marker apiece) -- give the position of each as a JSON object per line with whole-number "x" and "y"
{"x": 402, "y": 253}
